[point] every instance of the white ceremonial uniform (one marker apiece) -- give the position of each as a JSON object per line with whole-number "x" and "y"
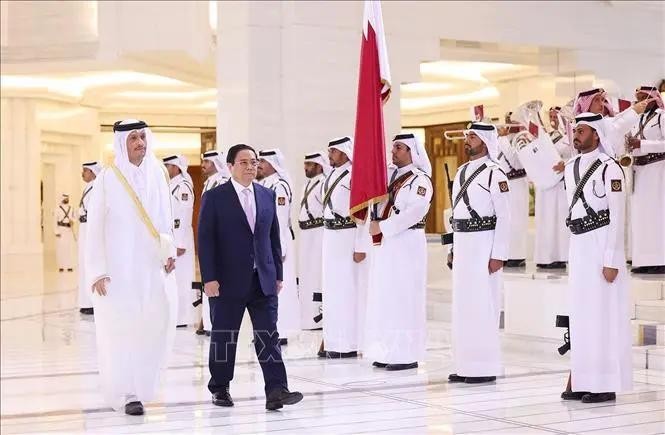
{"x": 509, "y": 161}
{"x": 343, "y": 305}
{"x": 64, "y": 232}
{"x": 396, "y": 322}
{"x": 309, "y": 253}
{"x": 135, "y": 322}
{"x": 600, "y": 314}
{"x": 85, "y": 293}
{"x": 648, "y": 193}
{"x": 182, "y": 199}
{"x": 288, "y": 309}
{"x": 552, "y": 235}
{"x": 211, "y": 182}
{"x": 476, "y": 293}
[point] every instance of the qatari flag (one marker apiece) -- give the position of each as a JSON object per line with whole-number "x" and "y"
{"x": 369, "y": 179}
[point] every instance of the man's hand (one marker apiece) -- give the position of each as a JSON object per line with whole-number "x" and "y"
{"x": 633, "y": 143}
{"x": 641, "y": 106}
{"x": 610, "y": 274}
{"x": 279, "y": 286}
{"x": 503, "y": 131}
{"x": 211, "y": 289}
{"x": 374, "y": 228}
{"x": 559, "y": 167}
{"x": 99, "y": 286}
{"x": 170, "y": 265}
{"x": 359, "y": 256}
{"x": 180, "y": 252}
{"x": 494, "y": 265}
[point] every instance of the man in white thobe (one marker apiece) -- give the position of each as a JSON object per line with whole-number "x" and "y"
{"x": 600, "y": 331}
{"x": 647, "y": 142}
{"x": 130, "y": 257}
{"x": 213, "y": 167}
{"x": 310, "y": 221}
{"x": 64, "y": 235}
{"x": 182, "y": 201}
{"x": 481, "y": 224}
{"x": 272, "y": 173}
{"x": 551, "y": 238}
{"x": 88, "y": 174}
{"x": 396, "y": 322}
{"x": 345, "y": 247}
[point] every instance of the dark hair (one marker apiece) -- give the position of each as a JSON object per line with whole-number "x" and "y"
{"x": 235, "y": 149}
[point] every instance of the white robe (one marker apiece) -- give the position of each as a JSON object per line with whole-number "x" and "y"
{"x": 85, "y": 294}
{"x": 345, "y": 294}
{"x": 600, "y": 314}
{"x": 552, "y": 235}
{"x": 648, "y": 197}
{"x": 65, "y": 240}
{"x": 476, "y": 293}
{"x": 182, "y": 200}
{"x": 519, "y": 200}
{"x": 309, "y": 254}
{"x": 135, "y": 321}
{"x": 211, "y": 182}
{"x": 396, "y": 322}
{"x": 288, "y": 309}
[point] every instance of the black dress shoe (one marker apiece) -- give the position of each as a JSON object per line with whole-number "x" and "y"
{"x": 335, "y": 355}
{"x": 479, "y": 379}
{"x": 134, "y": 408}
{"x": 641, "y": 269}
{"x": 61, "y": 270}
{"x": 456, "y": 378}
{"x": 379, "y": 365}
{"x": 283, "y": 341}
{"x": 544, "y": 266}
{"x": 87, "y": 311}
{"x": 598, "y": 397}
{"x": 180, "y": 326}
{"x": 207, "y": 333}
{"x": 515, "y": 263}
{"x": 573, "y": 395}
{"x": 396, "y": 367}
{"x": 322, "y": 354}
{"x": 559, "y": 265}
{"x": 70, "y": 270}
{"x": 200, "y": 332}
{"x": 222, "y": 398}
{"x": 276, "y": 399}
{"x": 656, "y": 270}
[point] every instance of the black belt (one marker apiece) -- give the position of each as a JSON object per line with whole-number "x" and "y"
{"x": 311, "y": 223}
{"x": 649, "y": 158}
{"x": 516, "y": 173}
{"x": 83, "y": 219}
{"x": 339, "y": 224}
{"x": 63, "y": 224}
{"x": 589, "y": 222}
{"x": 485, "y": 223}
{"x": 418, "y": 226}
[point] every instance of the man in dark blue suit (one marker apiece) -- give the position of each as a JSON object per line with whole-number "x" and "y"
{"x": 241, "y": 267}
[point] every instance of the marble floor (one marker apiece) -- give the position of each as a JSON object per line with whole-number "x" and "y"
{"x": 49, "y": 385}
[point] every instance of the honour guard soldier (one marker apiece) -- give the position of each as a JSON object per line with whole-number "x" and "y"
{"x": 88, "y": 174}
{"x": 64, "y": 233}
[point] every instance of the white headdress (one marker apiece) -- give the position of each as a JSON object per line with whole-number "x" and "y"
{"x": 95, "y": 167}
{"x": 320, "y": 159}
{"x": 181, "y": 162}
{"x": 343, "y": 144}
{"x": 276, "y": 158}
{"x": 596, "y": 122}
{"x": 217, "y": 158}
{"x": 418, "y": 152}
{"x": 488, "y": 134}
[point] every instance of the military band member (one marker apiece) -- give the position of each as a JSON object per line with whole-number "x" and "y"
{"x": 395, "y": 327}
{"x": 88, "y": 174}
{"x": 647, "y": 143}
{"x": 64, "y": 235}
{"x": 310, "y": 221}
{"x": 182, "y": 200}
{"x": 481, "y": 223}
{"x": 273, "y": 174}
{"x": 601, "y": 363}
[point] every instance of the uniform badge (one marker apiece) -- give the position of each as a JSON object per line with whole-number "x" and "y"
{"x": 281, "y": 200}
{"x": 503, "y": 186}
{"x": 421, "y": 191}
{"x": 184, "y": 196}
{"x": 176, "y": 223}
{"x": 616, "y": 185}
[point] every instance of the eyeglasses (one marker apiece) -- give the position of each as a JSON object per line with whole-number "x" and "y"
{"x": 248, "y": 163}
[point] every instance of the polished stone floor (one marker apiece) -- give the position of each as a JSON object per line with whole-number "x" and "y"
{"x": 49, "y": 385}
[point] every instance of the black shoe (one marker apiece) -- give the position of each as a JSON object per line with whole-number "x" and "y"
{"x": 559, "y": 265}
{"x": 456, "y": 378}
{"x": 61, "y": 270}
{"x": 200, "y": 332}
{"x": 207, "y": 333}
{"x": 335, "y": 355}
{"x": 544, "y": 266}
{"x": 322, "y": 354}
{"x": 656, "y": 270}
{"x": 88, "y": 311}
{"x": 181, "y": 326}
{"x": 479, "y": 379}
{"x": 70, "y": 270}
{"x": 396, "y": 367}
{"x": 278, "y": 398}
{"x": 134, "y": 408}
{"x": 379, "y": 365}
{"x": 598, "y": 397}
{"x": 515, "y": 263}
{"x": 573, "y": 395}
{"x": 641, "y": 269}
{"x": 283, "y": 341}
{"x": 222, "y": 398}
